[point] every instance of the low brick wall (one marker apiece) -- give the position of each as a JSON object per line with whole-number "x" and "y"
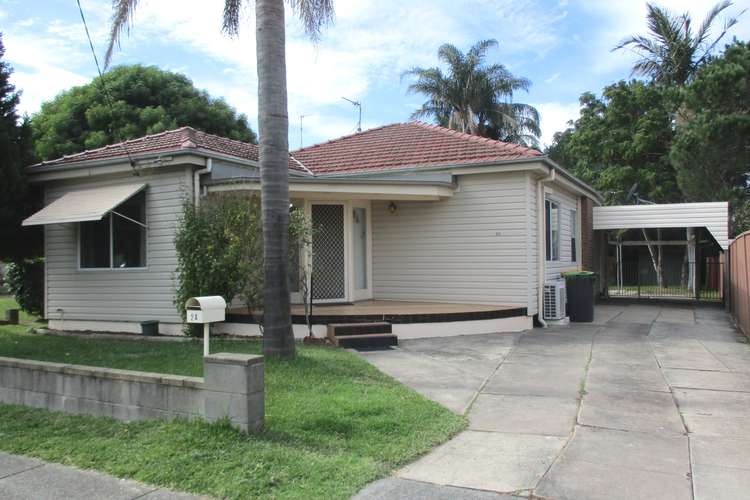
{"x": 232, "y": 386}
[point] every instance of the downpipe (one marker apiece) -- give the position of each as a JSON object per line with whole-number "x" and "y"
{"x": 541, "y": 250}
{"x": 197, "y": 180}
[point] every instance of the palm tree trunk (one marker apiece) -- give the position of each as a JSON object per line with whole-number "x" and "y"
{"x": 273, "y": 125}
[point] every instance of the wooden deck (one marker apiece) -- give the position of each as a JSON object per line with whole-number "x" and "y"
{"x": 392, "y": 311}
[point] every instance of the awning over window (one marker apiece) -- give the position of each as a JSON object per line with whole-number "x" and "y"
{"x": 84, "y": 205}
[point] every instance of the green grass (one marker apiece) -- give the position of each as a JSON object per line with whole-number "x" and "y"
{"x": 333, "y": 423}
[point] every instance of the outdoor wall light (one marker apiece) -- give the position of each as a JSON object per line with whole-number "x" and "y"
{"x": 392, "y": 207}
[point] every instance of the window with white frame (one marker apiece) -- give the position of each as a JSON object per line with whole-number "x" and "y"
{"x": 573, "y": 235}
{"x": 118, "y": 241}
{"x": 552, "y": 234}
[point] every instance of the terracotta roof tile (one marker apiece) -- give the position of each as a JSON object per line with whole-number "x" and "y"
{"x": 403, "y": 145}
{"x": 390, "y": 147}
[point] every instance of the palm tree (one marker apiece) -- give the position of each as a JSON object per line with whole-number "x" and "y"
{"x": 475, "y": 98}
{"x": 671, "y": 54}
{"x": 273, "y": 130}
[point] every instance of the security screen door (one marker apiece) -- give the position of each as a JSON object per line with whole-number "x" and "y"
{"x": 328, "y": 252}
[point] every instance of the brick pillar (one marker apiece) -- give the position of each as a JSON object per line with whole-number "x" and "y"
{"x": 234, "y": 388}
{"x": 587, "y": 233}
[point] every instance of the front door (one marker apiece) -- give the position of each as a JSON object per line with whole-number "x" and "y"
{"x": 328, "y": 252}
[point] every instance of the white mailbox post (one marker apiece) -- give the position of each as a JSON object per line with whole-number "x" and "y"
{"x": 206, "y": 310}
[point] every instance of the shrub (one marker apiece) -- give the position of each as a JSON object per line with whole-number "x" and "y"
{"x": 219, "y": 247}
{"x": 25, "y": 280}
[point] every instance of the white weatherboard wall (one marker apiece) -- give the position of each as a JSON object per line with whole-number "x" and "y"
{"x": 119, "y": 295}
{"x": 714, "y": 216}
{"x": 470, "y": 248}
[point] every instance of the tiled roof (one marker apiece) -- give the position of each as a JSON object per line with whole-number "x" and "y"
{"x": 172, "y": 140}
{"x": 391, "y": 147}
{"x": 403, "y": 145}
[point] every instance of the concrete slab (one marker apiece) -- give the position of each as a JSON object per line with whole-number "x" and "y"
{"x": 548, "y": 416}
{"x": 417, "y": 490}
{"x": 53, "y": 482}
{"x": 676, "y": 314}
{"x": 630, "y": 450}
{"x": 731, "y": 452}
{"x": 604, "y": 313}
{"x": 720, "y": 483}
{"x": 552, "y": 378}
{"x": 689, "y": 354}
{"x": 505, "y": 463}
{"x": 453, "y": 387}
{"x": 713, "y": 403}
{"x": 578, "y": 480}
{"x": 714, "y": 425}
{"x": 611, "y": 377}
{"x": 638, "y": 313}
{"x": 698, "y": 379}
{"x": 13, "y": 464}
{"x": 642, "y": 411}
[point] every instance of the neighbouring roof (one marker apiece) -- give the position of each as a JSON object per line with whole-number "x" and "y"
{"x": 406, "y": 145}
{"x": 390, "y": 147}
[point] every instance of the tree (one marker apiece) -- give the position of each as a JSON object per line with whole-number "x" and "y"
{"x": 711, "y": 152}
{"x": 273, "y": 127}
{"x": 475, "y": 98}
{"x": 671, "y": 54}
{"x": 15, "y": 153}
{"x": 129, "y": 102}
{"x": 622, "y": 138}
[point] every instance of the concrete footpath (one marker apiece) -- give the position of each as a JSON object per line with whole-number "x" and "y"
{"x": 23, "y": 478}
{"x": 648, "y": 402}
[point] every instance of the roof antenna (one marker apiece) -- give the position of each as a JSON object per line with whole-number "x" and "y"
{"x": 300, "y": 129}
{"x": 359, "y": 106}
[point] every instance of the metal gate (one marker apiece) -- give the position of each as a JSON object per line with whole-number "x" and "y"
{"x": 328, "y": 253}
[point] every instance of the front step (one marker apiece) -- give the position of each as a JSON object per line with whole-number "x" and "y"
{"x": 370, "y": 340}
{"x": 378, "y": 334}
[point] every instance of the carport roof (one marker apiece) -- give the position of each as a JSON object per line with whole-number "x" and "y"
{"x": 714, "y": 216}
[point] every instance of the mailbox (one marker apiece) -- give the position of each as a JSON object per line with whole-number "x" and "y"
{"x": 206, "y": 309}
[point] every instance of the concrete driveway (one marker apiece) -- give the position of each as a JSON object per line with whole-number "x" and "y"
{"x": 647, "y": 402}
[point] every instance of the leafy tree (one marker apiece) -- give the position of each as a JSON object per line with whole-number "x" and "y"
{"x": 711, "y": 152}
{"x": 671, "y": 54}
{"x": 622, "y": 138}
{"x": 15, "y": 153}
{"x": 273, "y": 125}
{"x": 474, "y": 97}
{"x": 129, "y": 102}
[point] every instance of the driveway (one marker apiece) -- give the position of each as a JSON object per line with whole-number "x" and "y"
{"x": 647, "y": 402}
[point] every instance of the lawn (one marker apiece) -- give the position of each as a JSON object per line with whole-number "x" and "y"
{"x": 333, "y": 423}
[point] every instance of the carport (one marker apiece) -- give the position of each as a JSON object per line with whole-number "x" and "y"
{"x": 673, "y": 251}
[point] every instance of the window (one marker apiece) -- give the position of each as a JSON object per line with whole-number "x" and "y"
{"x": 117, "y": 241}
{"x": 573, "y": 235}
{"x": 552, "y": 234}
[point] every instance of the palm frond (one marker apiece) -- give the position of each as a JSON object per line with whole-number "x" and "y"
{"x": 122, "y": 19}
{"x": 314, "y": 14}
{"x": 231, "y": 18}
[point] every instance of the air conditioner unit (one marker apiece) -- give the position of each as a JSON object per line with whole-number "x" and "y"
{"x": 554, "y": 300}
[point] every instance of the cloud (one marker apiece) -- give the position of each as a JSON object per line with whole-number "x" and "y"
{"x": 554, "y": 117}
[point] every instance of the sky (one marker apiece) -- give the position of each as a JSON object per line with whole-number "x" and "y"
{"x": 562, "y": 46}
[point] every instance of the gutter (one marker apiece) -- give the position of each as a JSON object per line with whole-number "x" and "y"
{"x": 542, "y": 249}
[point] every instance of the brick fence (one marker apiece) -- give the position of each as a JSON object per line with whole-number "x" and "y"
{"x": 232, "y": 386}
{"x": 739, "y": 281}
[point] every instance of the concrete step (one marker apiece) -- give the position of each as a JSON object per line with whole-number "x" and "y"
{"x": 369, "y": 340}
{"x": 349, "y": 329}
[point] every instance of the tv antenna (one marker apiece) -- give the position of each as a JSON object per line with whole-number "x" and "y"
{"x": 300, "y": 129}
{"x": 359, "y": 107}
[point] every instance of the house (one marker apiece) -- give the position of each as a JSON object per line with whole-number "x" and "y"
{"x": 437, "y": 231}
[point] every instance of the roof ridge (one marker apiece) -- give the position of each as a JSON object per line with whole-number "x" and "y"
{"x": 343, "y": 137}
{"x": 474, "y": 138}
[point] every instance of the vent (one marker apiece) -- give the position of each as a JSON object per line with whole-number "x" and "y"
{"x": 554, "y": 300}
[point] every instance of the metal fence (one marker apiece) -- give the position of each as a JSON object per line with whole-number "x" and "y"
{"x": 739, "y": 280}
{"x": 676, "y": 279}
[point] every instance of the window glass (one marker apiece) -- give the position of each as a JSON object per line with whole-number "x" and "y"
{"x": 573, "y": 235}
{"x": 552, "y": 234}
{"x": 128, "y": 236}
{"x": 118, "y": 240}
{"x": 95, "y": 243}
{"x": 359, "y": 236}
